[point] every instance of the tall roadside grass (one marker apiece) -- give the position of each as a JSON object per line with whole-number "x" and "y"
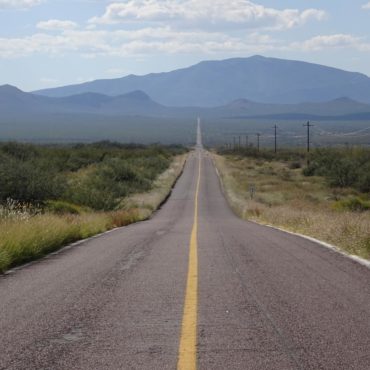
{"x": 25, "y": 237}
{"x": 285, "y": 198}
{"x": 147, "y": 203}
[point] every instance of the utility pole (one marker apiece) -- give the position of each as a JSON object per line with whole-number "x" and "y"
{"x": 234, "y": 142}
{"x": 246, "y": 141}
{"x": 240, "y": 141}
{"x": 275, "y": 127}
{"x": 258, "y": 141}
{"x": 308, "y": 125}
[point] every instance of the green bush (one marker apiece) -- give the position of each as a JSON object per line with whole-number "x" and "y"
{"x": 342, "y": 168}
{"x": 28, "y": 181}
{"x": 342, "y": 173}
{"x": 363, "y": 179}
{"x": 354, "y": 204}
{"x": 94, "y": 175}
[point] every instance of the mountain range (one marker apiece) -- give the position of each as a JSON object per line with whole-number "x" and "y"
{"x": 234, "y": 94}
{"x": 16, "y": 104}
{"x": 15, "y": 101}
{"x": 217, "y": 83}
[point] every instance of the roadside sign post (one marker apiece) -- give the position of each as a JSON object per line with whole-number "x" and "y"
{"x": 252, "y": 191}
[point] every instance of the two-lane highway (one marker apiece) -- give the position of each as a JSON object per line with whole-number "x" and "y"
{"x": 193, "y": 288}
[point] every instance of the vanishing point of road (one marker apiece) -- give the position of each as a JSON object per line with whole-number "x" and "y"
{"x": 192, "y": 288}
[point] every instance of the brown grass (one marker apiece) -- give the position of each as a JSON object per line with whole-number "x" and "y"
{"x": 287, "y": 199}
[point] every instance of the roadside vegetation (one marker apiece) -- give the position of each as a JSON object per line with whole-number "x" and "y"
{"x": 329, "y": 199}
{"x": 53, "y": 195}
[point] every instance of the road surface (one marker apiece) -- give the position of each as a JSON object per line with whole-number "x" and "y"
{"x": 193, "y": 288}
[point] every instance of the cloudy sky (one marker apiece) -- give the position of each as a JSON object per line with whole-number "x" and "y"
{"x": 46, "y": 43}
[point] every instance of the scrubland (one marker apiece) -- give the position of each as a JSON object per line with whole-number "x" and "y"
{"x": 328, "y": 200}
{"x": 51, "y": 196}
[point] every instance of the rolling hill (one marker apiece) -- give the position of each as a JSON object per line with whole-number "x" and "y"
{"x": 15, "y": 103}
{"x": 215, "y": 83}
{"x": 135, "y": 117}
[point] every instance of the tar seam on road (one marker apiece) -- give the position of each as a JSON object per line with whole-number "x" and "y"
{"x": 187, "y": 358}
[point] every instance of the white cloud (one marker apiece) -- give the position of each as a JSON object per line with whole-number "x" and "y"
{"x": 56, "y": 25}
{"x": 163, "y": 26}
{"x": 206, "y": 13}
{"x": 366, "y": 6}
{"x": 93, "y": 43}
{"x": 331, "y": 41}
{"x": 19, "y": 4}
{"x": 37, "y": 43}
{"x": 164, "y": 40}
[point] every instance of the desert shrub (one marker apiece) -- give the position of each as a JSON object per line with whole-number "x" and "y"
{"x": 342, "y": 173}
{"x": 283, "y": 154}
{"x": 20, "y": 151}
{"x": 363, "y": 179}
{"x": 354, "y": 204}
{"x": 342, "y": 168}
{"x": 102, "y": 188}
{"x": 93, "y": 175}
{"x": 294, "y": 165}
{"x": 93, "y": 191}
{"x": 28, "y": 181}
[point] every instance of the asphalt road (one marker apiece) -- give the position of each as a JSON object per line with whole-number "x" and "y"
{"x": 256, "y": 298}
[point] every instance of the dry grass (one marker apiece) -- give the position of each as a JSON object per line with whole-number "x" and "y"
{"x": 148, "y": 202}
{"x": 24, "y": 238}
{"x": 287, "y": 199}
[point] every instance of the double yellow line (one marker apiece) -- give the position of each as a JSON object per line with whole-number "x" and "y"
{"x": 187, "y": 359}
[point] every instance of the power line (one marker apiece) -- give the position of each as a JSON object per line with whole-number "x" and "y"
{"x": 342, "y": 134}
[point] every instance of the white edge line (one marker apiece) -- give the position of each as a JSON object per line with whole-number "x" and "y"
{"x": 332, "y": 247}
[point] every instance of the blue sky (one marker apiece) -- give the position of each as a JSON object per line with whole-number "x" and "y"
{"x": 46, "y": 43}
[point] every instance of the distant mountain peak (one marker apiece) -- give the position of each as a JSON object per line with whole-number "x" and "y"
{"x": 216, "y": 83}
{"x": 257, "y": 57}
{"x": 9, "y": 89}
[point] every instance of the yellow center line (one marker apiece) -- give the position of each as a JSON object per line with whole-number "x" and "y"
{"x": 188, "y": 341}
